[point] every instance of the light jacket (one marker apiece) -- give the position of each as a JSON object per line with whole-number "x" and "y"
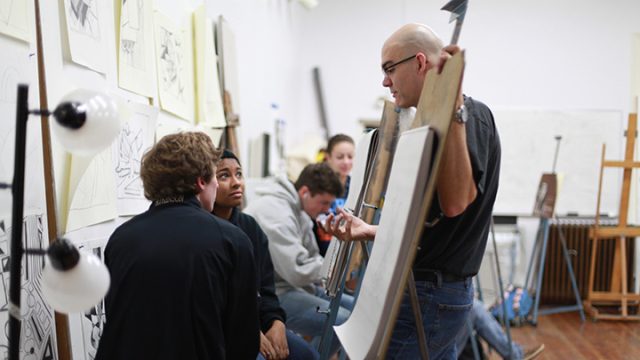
{"x": 294, "y": 251}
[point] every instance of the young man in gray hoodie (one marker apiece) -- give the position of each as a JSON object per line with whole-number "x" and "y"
{"x": 286, "y": 211}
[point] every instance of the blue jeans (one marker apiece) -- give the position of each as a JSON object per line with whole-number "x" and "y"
{"x": 490, "y": 330}
{"x": 303, "y": 317}
{"x": 444, "y": 308}
{"x": 299, "y": 349}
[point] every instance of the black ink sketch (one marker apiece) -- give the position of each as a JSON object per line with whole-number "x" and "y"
{"x": 37, "y": 340}
{"x": 130, "y": 148}
{"x": 93, "y": 320}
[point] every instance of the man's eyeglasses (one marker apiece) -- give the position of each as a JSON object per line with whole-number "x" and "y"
{"x": 386, "y": 70}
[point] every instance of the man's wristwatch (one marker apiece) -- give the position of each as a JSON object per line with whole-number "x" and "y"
{"x": 461, "y": 114}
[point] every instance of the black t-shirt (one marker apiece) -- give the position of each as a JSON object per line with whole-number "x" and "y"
{"x": 456, "y": 245}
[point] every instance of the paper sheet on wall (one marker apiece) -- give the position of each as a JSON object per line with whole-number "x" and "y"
{"x": 136, "y": 137}
{"x": 363, "y": 333}
{"x": 14, "y": 18}
{"x": 208, "y": 97}
{"x": 214, "y": 133}
{"x": 15, "y": 69}
{"x": 165, "y": 128}
{"x": 92, "y": 191}
{"x": 136, "y": 66}
{"x": 174, "y": 61}
{"x": 86, "y": 30}
{"x": 227, "y": 58}
{"x": 87, "y": 327}
{"x": 38, "y": 339}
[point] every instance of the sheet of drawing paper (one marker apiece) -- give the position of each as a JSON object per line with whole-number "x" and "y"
{"x": 136, "y": 137}
{"x": 86, "y": 327}
{"x": 92, "y": 190}
{"x": 363, "y": 333}
{"x": 86, "y": 29}
{"x": 174, "y": 62}
{"x": 136, "y": 65}
{"x": 15, "y": 18}
{"x": 38, "y": 339}
{"x": 208, "y": 97}
{"x": 214, "y": 133}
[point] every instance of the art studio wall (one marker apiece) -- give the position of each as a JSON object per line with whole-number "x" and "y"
{"x": 546, "y": 68}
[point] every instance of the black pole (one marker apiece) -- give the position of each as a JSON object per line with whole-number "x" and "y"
{"x": 17, "y": 188}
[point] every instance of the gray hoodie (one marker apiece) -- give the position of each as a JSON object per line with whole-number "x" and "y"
{"x": 292, "y": 244}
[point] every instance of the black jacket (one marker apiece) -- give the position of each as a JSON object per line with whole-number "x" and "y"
{"x": 182, "y": 287}
{"x": 268, "y": 303}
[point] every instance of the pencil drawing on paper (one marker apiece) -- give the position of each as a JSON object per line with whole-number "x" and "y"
{"x": 132, "y": 40}
{"x": 93, "y": 320}
{"x": 83, "y": 17}
{"x": 37, "y": 317}
{"x": 130, "y": 149}
{"x": 172, "y": 64}
{"x": 89, "y": 193}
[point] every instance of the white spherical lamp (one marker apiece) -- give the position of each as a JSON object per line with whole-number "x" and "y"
{"x": 73, "y": 280}
{"x": 86, "y": 121}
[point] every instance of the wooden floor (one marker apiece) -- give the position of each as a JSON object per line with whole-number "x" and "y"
{"x": 565, "y": 337}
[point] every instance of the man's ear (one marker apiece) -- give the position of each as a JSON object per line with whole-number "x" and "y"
{"x": 303, "y": 192}
{"x": 423, "y": 62}
{"x": 200, "y": 184}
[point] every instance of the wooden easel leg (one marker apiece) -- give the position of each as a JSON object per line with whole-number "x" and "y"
{"x": 623, "y": 273}
{"x": 417, "y": 314}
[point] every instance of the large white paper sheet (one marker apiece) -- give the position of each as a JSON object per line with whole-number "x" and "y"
{"x": 363, "y": 334}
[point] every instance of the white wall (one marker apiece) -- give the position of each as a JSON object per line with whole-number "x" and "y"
{"x": 548, "y": 54}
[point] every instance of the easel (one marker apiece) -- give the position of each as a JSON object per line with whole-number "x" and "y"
{"x": 545, "y": 209}
{"x": 371, "y": 194}
{"x": 618, "y": 292}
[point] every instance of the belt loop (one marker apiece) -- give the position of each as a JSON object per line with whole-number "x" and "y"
{"x": 438, "y": 279}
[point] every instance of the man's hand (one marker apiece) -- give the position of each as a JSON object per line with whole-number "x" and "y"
{"x": 347, "y": 227}
{"x": 266, "y": 349}
{"x": 447, "y": 52}
{"x": 277, "y": 336}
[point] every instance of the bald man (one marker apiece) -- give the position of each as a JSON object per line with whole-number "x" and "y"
{"x": 453, "y": 243}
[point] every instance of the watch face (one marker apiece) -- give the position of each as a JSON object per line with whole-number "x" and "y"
{"x": 461, "y": 114}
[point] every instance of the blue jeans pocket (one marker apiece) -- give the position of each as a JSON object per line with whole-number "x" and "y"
{"x": 451, "y": 318}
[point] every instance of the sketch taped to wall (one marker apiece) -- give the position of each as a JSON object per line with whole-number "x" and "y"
{"x": 92, "y": 321}
{"x": 86, "y": 31}
{"x": 135, "y": 138}
{"x": 135, "y": 57}
{"x": 14, "y": 19}
{"x": 174, "y": 62}
{"x": 210, "y": 110}
{"x": 92, "y": 190}
{"x": 38, "y": 327}
{"x": 83, "y": 17}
